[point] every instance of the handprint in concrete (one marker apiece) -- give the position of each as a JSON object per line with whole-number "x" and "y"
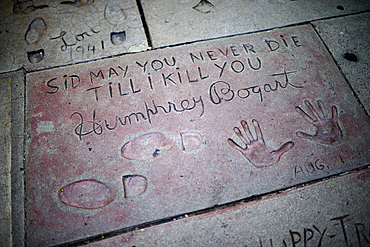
{"x": 328, "y": 130}
{"x": 256, "y": 151}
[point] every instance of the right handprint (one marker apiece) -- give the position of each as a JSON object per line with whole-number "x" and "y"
{"x": 328, "y": 130}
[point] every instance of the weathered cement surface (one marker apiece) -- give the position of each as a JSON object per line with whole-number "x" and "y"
{"x": 142, "y": 137}
{"x": 11, "y": 158}
{"x": 301, "y": 217}
{"x": 18, "y": 164}
{"x": 5, "y": 160}
{"x": 347, "y": 39}
{"x": 173, "y": 22}
{"x": 50, "y": 33}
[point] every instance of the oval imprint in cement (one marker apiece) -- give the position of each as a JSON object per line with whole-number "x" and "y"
{"x": 87, "y": 194}
{"x": 147, "y": 146}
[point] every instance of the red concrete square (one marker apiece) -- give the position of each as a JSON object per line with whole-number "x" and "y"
{"x": 140, "y": 137}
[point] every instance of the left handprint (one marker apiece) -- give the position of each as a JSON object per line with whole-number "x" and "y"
{"x": 328, "y": 130}
{"x": 256, "y": 150}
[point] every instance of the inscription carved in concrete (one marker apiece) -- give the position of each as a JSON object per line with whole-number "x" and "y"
{"x": 52, "y": 33}
{"x": 157, "y": 133}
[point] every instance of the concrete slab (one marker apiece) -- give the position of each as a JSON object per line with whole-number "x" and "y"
{"x": 301, "y": 217}
{"x": 51, "y": 33}
{"x": 347, "y": 39}
{"x": 18, "y": 164}
{"x": 141, "y": 137}
{"x": 173, "y": 22}
{"x": 11, "y": 158}
{"x": 5, "y": 159}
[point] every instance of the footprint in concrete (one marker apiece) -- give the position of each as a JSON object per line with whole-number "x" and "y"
{"x": 35, "y": 56}
{"x": 33, "y": 8}
{"x": 114, "y": 14}
{"x": 147, "y": 146}
{"x": 134, "y": 185}
{"x": 191, "y": 141}
{"x": 204, "y": 6}
{"x": 117, "y": 38}
{"x": 87, "y": 194}
{"x": 25, "y": 6}
{"x": 78, "y": 3}
{"x": 36, "y": 30}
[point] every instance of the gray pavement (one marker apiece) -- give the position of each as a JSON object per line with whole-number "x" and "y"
{"x": 175, "y": 22}
{"x": 168, "y": 175}
{"x": 5, "y": 152}
{"x": 347, "y": 40}
{"x": 298, "y": 217}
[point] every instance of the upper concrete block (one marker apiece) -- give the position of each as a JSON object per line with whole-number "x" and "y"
{"x": 173, "y": 22}
{"x": 51, "y": 33}
{"x": 141, "y": 137}
{"x": 348, "y": 40}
